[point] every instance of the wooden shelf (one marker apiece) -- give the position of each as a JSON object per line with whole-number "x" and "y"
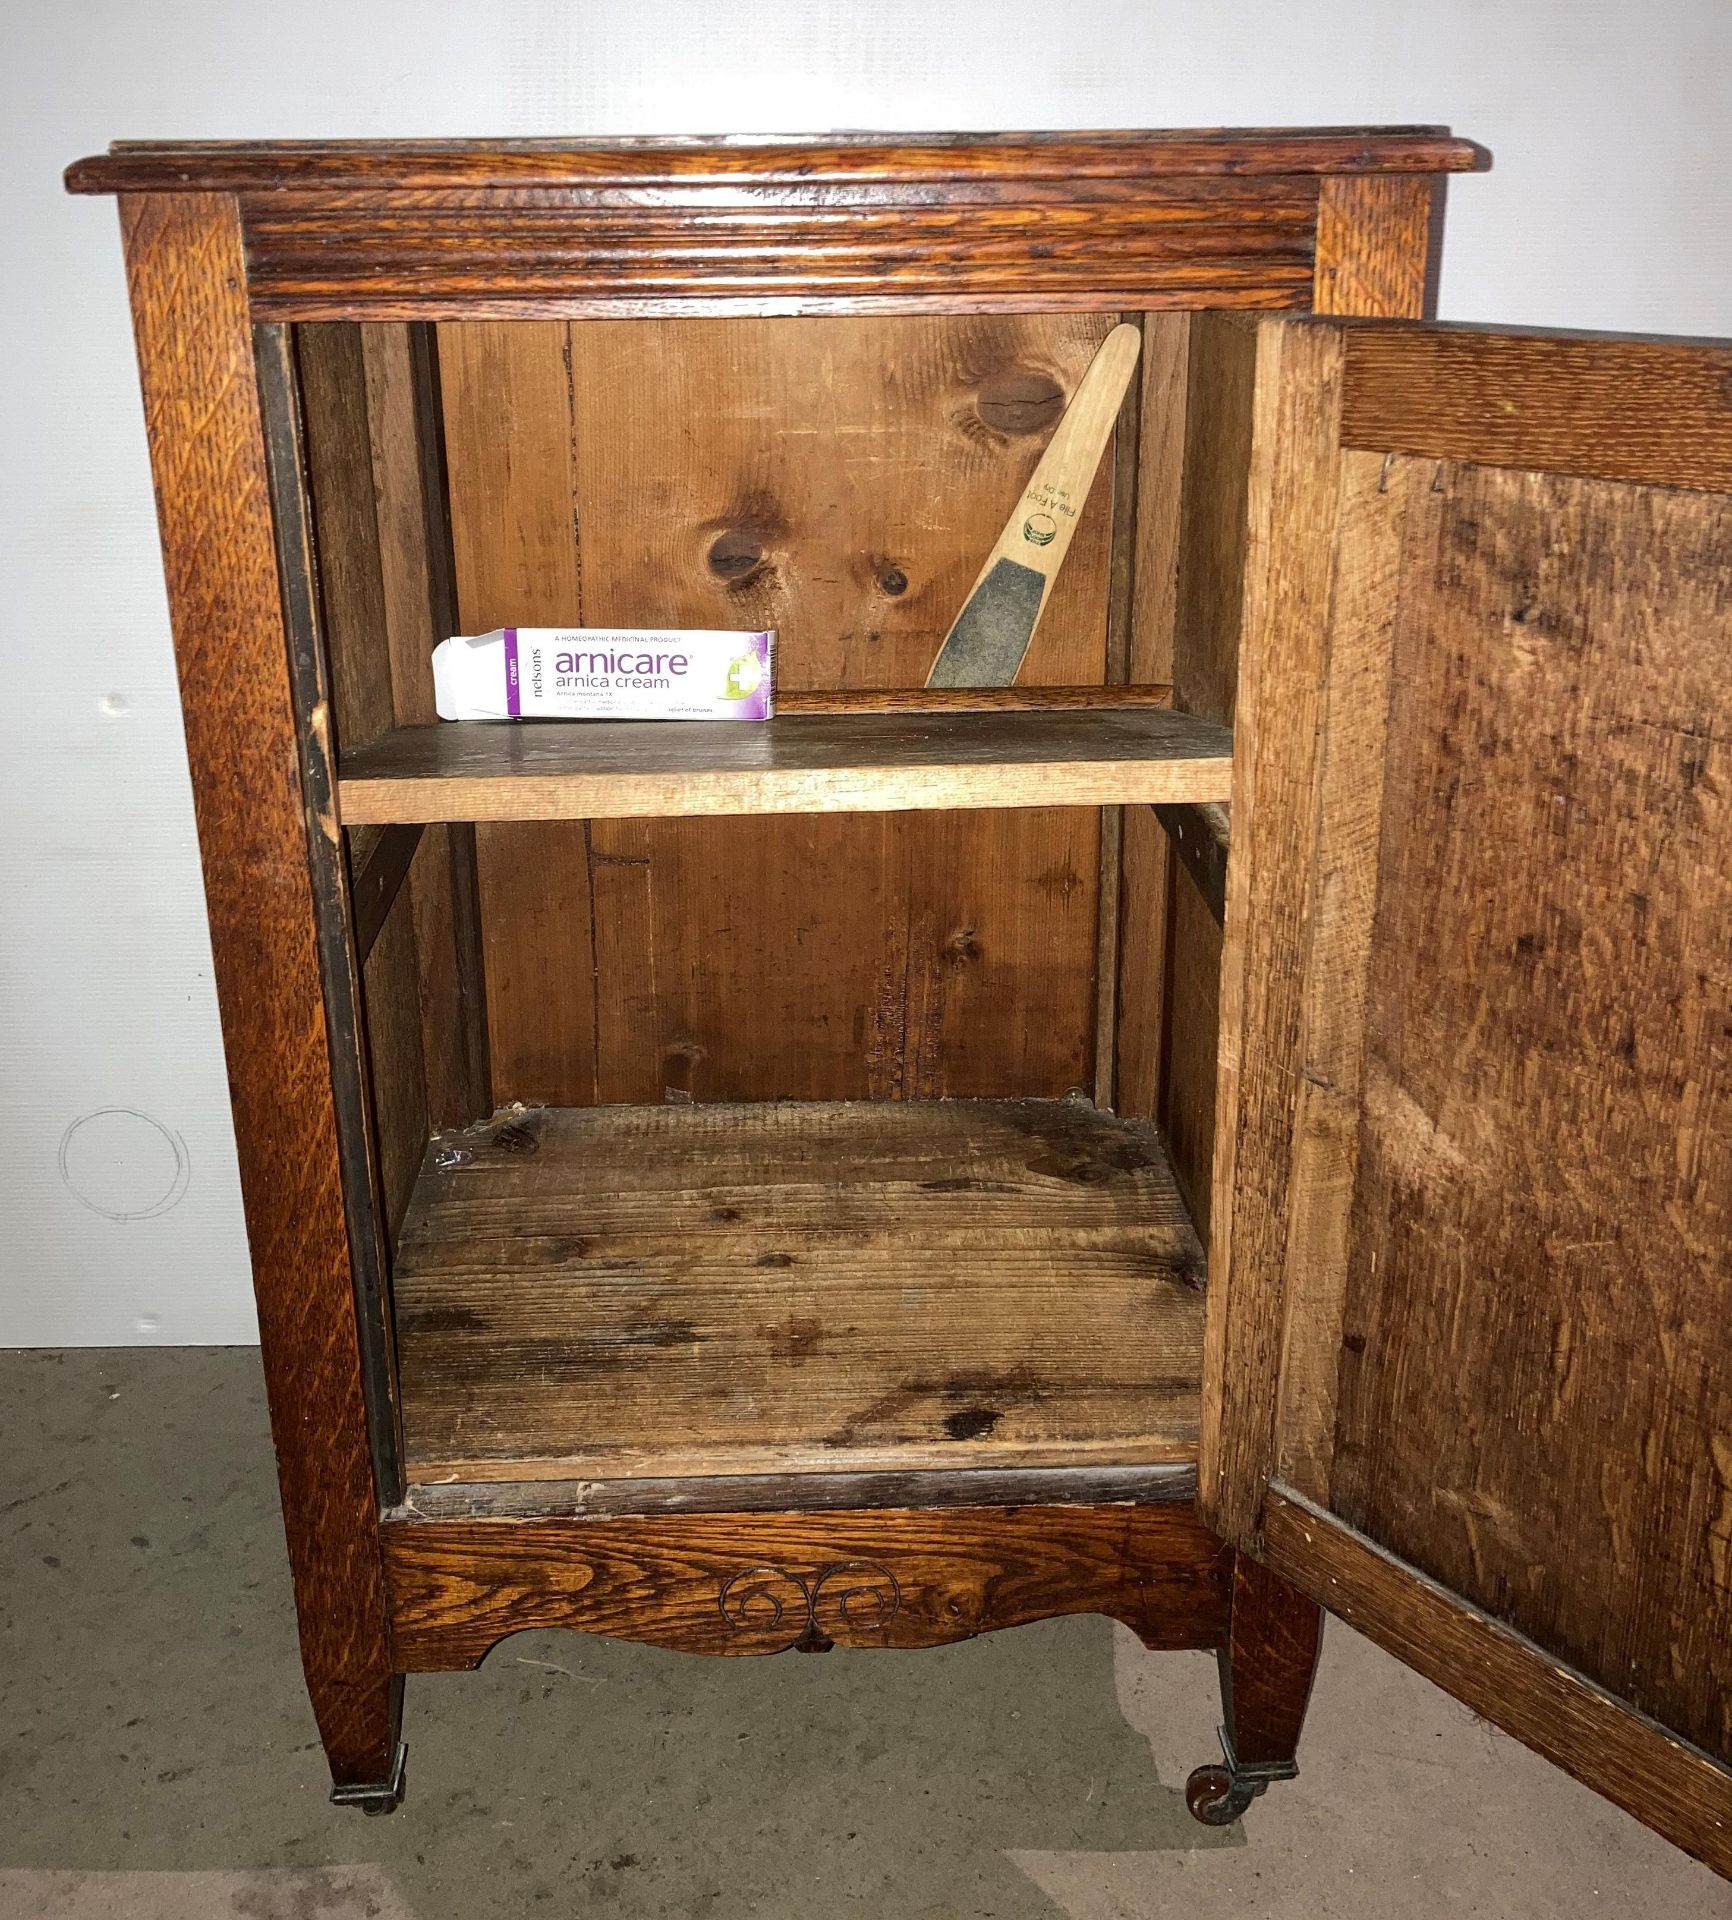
{"x": 796, "y": 763}
{"x": 827, "y": 1287}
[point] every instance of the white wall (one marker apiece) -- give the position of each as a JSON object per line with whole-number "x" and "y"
{"x": 1610, "y": 206}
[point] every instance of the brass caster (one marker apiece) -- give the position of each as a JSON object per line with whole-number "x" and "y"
{"x": 1217, "y": 1797}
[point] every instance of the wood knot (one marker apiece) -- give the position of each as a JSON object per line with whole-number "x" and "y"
{"x": 971, "y": 1423}
{"x": 1022, "y": 400}
{"x": 734, "y": 555}
{"x": 893, "y": 581}
{"x": 961, "y": 947}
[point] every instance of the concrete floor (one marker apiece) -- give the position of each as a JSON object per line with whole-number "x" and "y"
{"x": 157, "y": 1758}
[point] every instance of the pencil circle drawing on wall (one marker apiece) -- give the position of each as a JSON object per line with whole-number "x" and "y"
{"x": 123, "y": 1164}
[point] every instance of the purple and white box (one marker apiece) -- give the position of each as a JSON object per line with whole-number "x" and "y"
{"x": 605, "y": 673}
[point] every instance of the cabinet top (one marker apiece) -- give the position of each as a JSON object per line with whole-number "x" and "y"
{"x": 810, "y": 161}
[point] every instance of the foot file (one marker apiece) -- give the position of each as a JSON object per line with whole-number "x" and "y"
{"x": 989, "y": 640}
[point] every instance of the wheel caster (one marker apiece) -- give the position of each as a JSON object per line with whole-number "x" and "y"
{"x": 376, "y": 1798}
{"x": 1217, "y": 1797}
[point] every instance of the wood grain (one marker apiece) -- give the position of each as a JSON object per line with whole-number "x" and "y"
{"x": 506, "y": 399}
{"x": 844, "y": 496}
{"x": 1671, "y": 1786}
{"x": 843, "y": 493}
{"x": 1383, "y": 507}
{"x": 355, "y": 609}
{"x": 797, "y": 1287}
{"x": 795, "y": 161}
{"x": 803, "y": 763}
{"x": 1011, "y": 223}
{"x": 1544, "y": 1195}
{"x": 1654, "y": 411}
{"x": 412, "y": 523}
{"x": 1191, "y": 1020}
{"x": 1208, "y": 589}
{"x": 1378, "y": 254}
{"x": 1139, "y": 998}
{"x": 1268, "y": 1663}
{"x": 378, "y": 878}
{"x": 1200, "y": 836}
{"x": 763, "y": 1583}
{"x": 385, "y": 580}
{"x": 1288, "y": 573}
{"x": 1020, "y": 699}
{"x": 1379, "y": 245}
{"x": 187, "y": 276}
{"x": 394, "y": 1053}
{"x": 365, "y": 1205}
{"x": 704, "y": 250}
{"x": 1221, "y": 371}
{"x": 930, "y": 1487}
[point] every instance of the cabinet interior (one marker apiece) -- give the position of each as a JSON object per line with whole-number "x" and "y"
{"x": 849, "y": 1115}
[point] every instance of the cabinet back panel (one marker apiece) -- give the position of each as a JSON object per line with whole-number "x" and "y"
{"x": 839, "y": 480}
{"x": 1536, "y": 1380}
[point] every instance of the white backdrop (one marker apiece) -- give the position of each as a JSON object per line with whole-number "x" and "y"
{"x": 1610, "y": 206}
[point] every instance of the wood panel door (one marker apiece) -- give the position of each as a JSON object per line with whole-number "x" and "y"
{"x": 1470, "y": 1346}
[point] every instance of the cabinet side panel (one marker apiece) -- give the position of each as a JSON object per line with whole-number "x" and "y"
{"x": 187, "y": 277}
{"x": 355, "y": 610}
{"x": 1208, "y": 589}
{"x": 1142, "y": 984}
{"x": 1536, "y": 1377}
{"x": 406, "y": 433}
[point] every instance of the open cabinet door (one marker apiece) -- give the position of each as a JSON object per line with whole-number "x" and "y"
{"x": 1469, "y": 1375}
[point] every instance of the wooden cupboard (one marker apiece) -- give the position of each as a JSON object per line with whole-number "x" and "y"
{"x": 1234, "y": 1125}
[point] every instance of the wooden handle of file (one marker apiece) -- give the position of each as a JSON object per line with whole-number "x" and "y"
{"x": 990, "y": 638}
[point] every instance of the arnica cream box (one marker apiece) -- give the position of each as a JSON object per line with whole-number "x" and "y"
{"x": 604, "y": 673}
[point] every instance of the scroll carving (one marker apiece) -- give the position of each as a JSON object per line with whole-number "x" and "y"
{"x": 851, "y": 1599}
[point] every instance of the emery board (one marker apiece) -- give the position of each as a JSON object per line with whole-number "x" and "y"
{"x": 989, "y": 639}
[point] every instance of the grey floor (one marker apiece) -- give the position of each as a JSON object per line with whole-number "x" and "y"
{"x": 157, "y": 1758}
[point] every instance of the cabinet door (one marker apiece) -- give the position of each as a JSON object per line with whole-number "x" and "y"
{"x": 1470, "y": 1351}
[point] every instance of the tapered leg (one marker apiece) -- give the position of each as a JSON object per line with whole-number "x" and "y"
{"x": 262, "y": 790}
{"x": 1267, "y": 1668}
{"x": 361, "y": 1727}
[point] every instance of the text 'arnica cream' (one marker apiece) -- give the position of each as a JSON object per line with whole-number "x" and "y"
{"x": 627, "y": 673}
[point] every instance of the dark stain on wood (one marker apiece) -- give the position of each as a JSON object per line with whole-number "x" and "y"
{"x": 795, "y": 1286}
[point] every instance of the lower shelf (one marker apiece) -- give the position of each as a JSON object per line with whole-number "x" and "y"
{"x": 796, "y": 1288}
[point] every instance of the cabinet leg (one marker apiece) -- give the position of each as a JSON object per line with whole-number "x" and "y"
{"x": 362, "y": 1732}
{"x": 1266, "y": 1671}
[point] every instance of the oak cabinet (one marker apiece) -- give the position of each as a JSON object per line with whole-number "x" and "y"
{"x": 1235, "y": 1125}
